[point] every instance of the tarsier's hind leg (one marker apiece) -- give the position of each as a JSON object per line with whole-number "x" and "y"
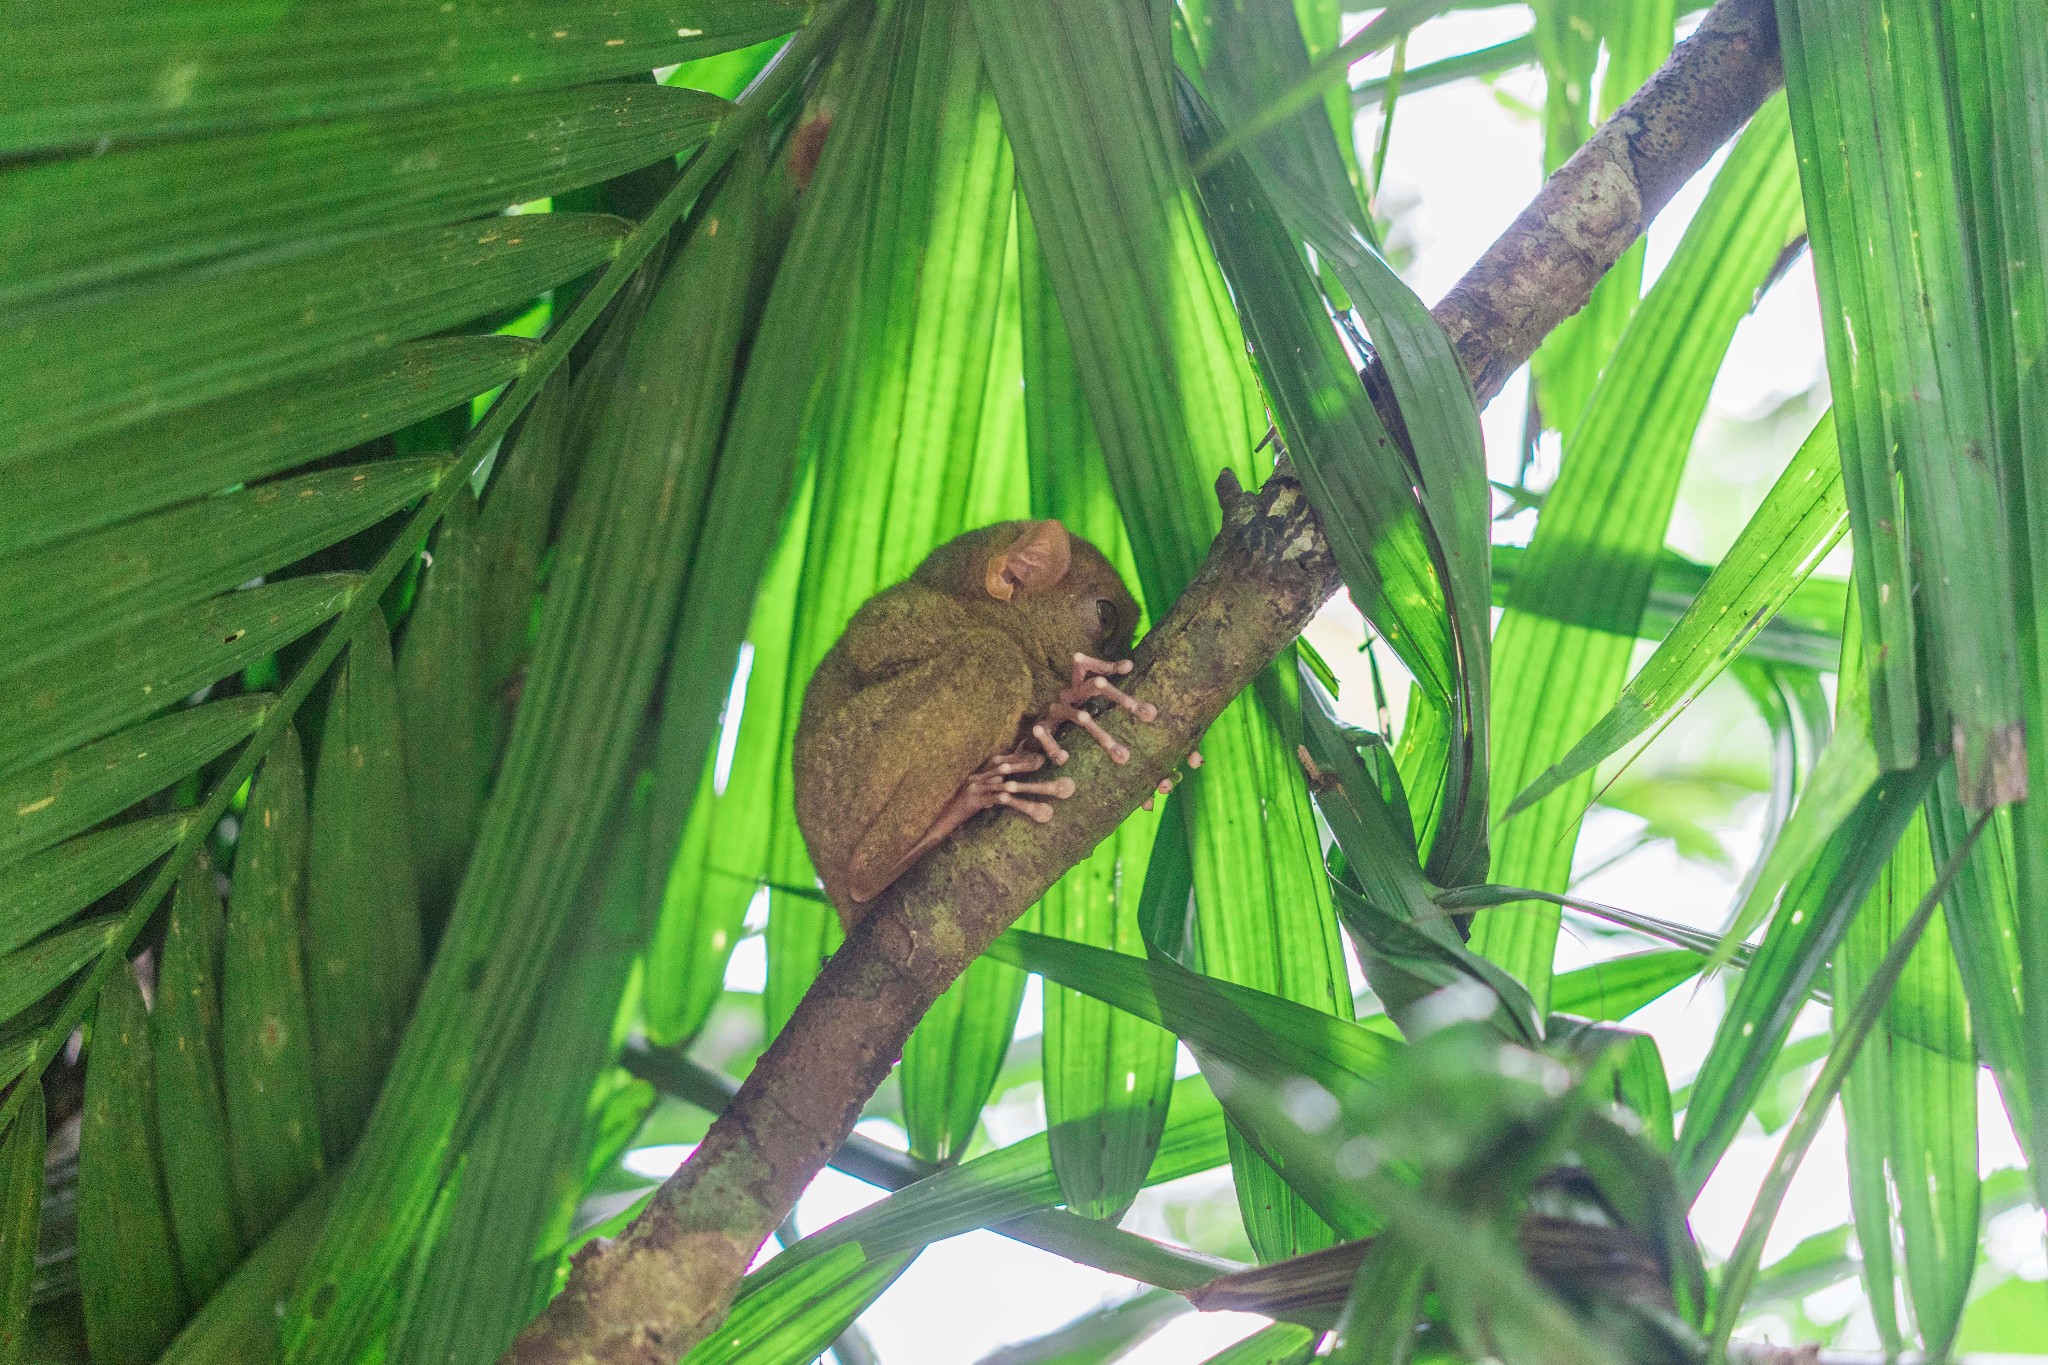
{"x": 997, "y": 783}
{"x": 932, "y": 729}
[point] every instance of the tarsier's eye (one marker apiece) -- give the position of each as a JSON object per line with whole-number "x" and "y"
{"x": 1105, "y": 614}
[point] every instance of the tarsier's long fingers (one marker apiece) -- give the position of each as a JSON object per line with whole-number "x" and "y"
{"x": 1062, "y": 787}
{"x": 1037, "y": 810}
{"x": 1101, "y": 687}
{"x": 1022, "y": 761}
{"x": 1043, "y": 734}
{"x": 1061, "y": 713}
{"x": 1091, "y": 679}
{"x": 1087, "y": 665}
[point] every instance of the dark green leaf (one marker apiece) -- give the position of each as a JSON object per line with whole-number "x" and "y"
{"x": 266, "y": 1048}
{"x": 86, "y": 484}
{"x": 85, "y": 223}
{"x": 496, "y": 1257}
{"x": 128, "y": 1278}
{"x": 93, "y": 688}
{"x": 21, "y": 1210}
{"x": 74, "y": 74}
{"x": 210, "y": 333}
{"x": 362, "y": 910}
{"x": 517, "y": 522}
{"x": 452, "y": 724}
{"x": 240, "y": 1324}
{"x": 114, "y": 580}
{"x": 77, "y": 790}
{"x": 1349, "y": 464}
{"x": 43, "y": 891}
{"x": 28, "y": 974}
{"x": 192, "y": 1124}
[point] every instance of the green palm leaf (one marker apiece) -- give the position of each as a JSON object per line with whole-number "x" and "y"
{"x": 76, "y": 73}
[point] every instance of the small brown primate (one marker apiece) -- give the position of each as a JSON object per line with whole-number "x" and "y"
{"x": 947, "y": 686}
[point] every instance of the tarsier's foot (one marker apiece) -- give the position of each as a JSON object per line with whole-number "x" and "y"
{"x": 996, "y": 785}
{"x": 993, "y": 784}
{"x": 1166, "y": 784}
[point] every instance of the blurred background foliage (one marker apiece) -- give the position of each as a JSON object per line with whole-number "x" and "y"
{"x": 444, "y": 439}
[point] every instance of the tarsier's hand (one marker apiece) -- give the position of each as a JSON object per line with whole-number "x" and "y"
{"x": 1092, "y": 680}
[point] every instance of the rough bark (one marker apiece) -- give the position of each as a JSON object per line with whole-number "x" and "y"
{"x": 667, "y": 1282}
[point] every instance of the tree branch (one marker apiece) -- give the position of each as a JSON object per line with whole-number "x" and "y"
{"x": 1544, "y": 266}
{"x": 1081, "y": 1240}
{"x": 667, "y": 1282}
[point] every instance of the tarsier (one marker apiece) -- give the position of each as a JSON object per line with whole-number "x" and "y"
{"x": 947, "y": 691}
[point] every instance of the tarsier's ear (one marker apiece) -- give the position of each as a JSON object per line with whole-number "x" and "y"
{"x": 1031, "y": 563}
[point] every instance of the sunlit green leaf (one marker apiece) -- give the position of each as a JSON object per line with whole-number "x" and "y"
{"x": 1597, "y": 540}
{"x": 1917, "y": 1114}
{"x": 1801, "y": 519}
